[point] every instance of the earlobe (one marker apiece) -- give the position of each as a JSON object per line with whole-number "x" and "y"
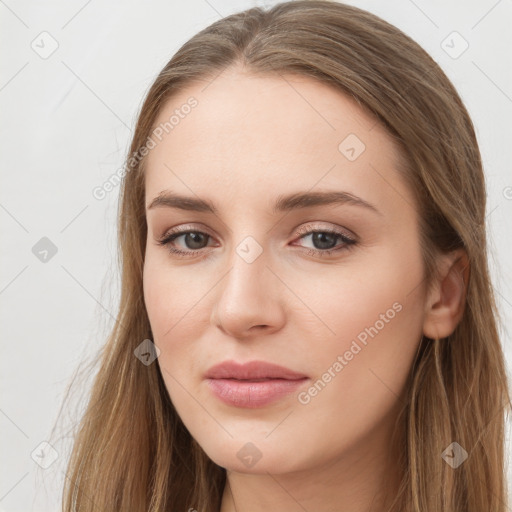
{"x": 446, "y": 302}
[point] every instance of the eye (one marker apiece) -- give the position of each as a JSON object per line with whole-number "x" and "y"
{"x": 194, "y": 239}
{"x": 323, "y": 238}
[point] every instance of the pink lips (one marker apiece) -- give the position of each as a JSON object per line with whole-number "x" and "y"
{"x": 252, "y": 384}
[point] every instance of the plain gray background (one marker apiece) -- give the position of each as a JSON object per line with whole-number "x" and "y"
{"x": 67, "y": 119}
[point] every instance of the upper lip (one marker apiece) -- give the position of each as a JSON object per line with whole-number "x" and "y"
{"x": 251, "y": 370}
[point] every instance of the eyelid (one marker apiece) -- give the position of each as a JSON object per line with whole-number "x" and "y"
{"x": 184, "y": 228}
{"x": 308, "y": 228}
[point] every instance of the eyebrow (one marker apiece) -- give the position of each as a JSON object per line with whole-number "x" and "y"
{"x": 295, "y": 201}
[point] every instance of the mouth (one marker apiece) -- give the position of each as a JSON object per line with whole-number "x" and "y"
{"x": 254, "y": 384}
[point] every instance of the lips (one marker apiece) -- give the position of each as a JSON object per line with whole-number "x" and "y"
{"x": 253, "y": 370}
{"x": 253, "y": 384}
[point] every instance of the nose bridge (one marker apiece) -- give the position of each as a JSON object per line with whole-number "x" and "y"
{"x": 247, "y": 272}
{"x": 248, "y": 295}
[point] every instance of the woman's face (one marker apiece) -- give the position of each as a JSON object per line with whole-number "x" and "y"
{"x": 330, "y": 290}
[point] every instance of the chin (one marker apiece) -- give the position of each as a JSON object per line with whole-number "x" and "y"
{"x": 252, "y": 457}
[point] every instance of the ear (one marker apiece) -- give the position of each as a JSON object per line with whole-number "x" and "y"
{"x": 445, "y": 303}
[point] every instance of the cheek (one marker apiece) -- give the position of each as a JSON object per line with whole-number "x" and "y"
{"x": 165, "y": 302}
{"x": 358, "y": 384}
{"x": 372, "y": 319}
{"x": 377, "y": 316}
{"x": 157, "y": 296}
{"x": 169, "y": 294}
{"x": 368, "y": 294}
{"x": 360, "y": 372}
{"x": 177, "y": 314}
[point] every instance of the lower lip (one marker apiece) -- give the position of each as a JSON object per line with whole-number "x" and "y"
{"x": 251, "y": 394}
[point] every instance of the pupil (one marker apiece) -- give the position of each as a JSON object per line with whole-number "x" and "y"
{"x": 319, "y": 238}
{"x": 194, "y": 236}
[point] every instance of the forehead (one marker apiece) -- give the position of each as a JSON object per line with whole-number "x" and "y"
{"x": 253, "y": 135}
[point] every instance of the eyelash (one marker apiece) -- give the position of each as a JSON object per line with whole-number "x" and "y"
{"x": 348, "y": 242}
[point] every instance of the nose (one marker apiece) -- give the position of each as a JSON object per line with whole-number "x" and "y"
{"x": 249, "y": 299}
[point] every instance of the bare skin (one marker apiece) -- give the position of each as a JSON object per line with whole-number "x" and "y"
{"x": 249, "y": 141}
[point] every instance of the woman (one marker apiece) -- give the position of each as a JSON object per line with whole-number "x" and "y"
{"x": 307, "y": 320}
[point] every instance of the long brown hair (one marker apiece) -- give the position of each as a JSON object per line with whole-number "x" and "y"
{"x": 131, "y": 451}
